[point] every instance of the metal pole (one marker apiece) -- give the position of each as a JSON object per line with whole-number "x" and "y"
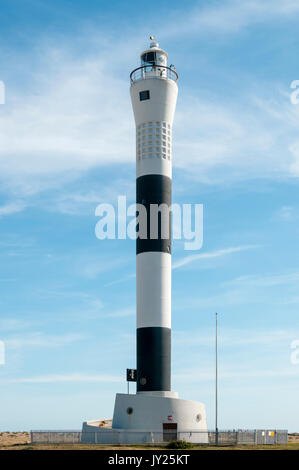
{"x": 216, "y": 382}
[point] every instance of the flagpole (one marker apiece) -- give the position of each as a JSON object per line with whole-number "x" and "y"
{"x": 216, "y": 381}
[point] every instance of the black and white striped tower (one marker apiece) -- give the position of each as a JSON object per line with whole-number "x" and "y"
{"x": 154, "y": 93}
{"x": 154, "y": 409}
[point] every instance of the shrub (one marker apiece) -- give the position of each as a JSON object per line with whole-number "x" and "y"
{"x": 179, "y": 445}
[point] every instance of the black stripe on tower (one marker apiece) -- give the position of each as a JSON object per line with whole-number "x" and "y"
{"x": 154, "y": 189}
{"x": 153, "y": 359}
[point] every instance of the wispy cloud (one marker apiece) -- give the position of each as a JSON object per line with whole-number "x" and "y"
{"x": 287, "y": 213}
{"x": 16, "y": 241}
{"x": 61, "y": 137}
{"x": 59, "y": 378}
{"x": 121, "y": 280}
{"x": 60, "y": 129}
{"x": 13, "y": 324}
{"x": 41, "y": 340}
{"x": 231, "y": 337}
{"x": 237, "y": 360}
{"x": 210, "y": 255}
{"x": 218, "y": 141}
{"x": 92, "y": 267}
{"x": 198, "y": 375}
{"x": 232, "y": 16}
{"x": 84, "y": 203}
{"x": 12, "y": 208}
{"x": 124, "y": 312}
{"x": 267, "y": 280}
{"x": 102, "y": 312}
{"x": 260, "y": 291}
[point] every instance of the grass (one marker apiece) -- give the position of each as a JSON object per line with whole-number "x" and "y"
{"x": 289, "y": 446}
{"x": 21, "y": 441}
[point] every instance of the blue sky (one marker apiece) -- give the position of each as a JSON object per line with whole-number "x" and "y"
{"x": 67, "y": 300}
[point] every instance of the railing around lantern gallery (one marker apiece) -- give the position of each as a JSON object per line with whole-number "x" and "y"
{"x": 153, "y": 71}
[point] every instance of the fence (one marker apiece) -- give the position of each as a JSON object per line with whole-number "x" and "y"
{"x": 55, "y": 437}
{"x": 249, "y": 436}
{"x": 111, "y": 436}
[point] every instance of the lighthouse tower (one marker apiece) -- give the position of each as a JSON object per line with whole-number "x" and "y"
{"x": 154, "y": 413}
{"x": 153, "y": 93}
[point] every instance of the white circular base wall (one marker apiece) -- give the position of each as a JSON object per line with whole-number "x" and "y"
{"x": 149, "y": 412}
{"x": 141, "y": 418}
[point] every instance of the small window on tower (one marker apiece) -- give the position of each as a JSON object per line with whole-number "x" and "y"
{"x": 144, "y": 95}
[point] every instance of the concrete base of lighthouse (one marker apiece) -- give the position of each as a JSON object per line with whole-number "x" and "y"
{"x": 150, "y": 417}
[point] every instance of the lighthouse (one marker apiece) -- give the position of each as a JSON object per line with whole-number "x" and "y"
{"x": 155, "y": 413}
{"x": 153, "y": 94}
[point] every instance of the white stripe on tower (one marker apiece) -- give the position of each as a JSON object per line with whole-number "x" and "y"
{"x": 153, "y": 94}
